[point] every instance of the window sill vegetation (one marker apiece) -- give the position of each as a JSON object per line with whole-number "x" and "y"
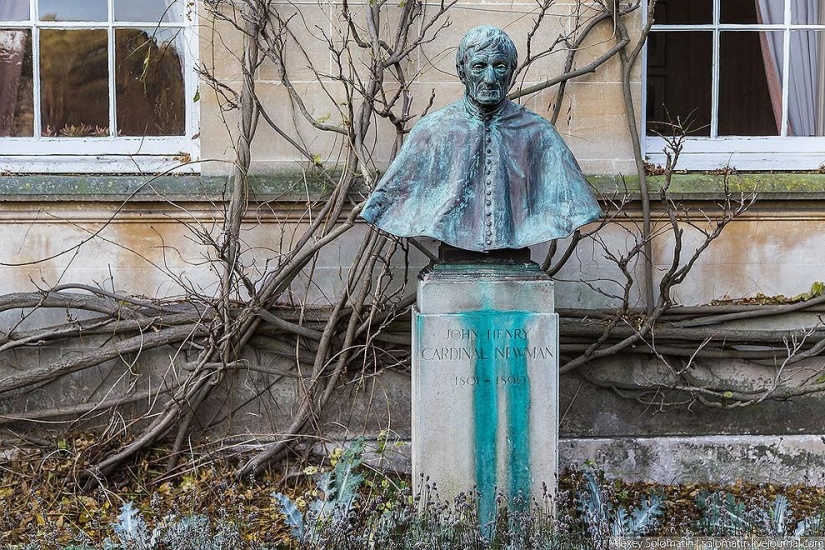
{"x": 290, "y": 187}
{"x": 300, "y": 187}
{"x": 711, "y": 185}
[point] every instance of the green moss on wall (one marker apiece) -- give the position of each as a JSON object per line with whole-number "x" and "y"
{"x": 300, "y": 186}
{"x": 699, "y": 186}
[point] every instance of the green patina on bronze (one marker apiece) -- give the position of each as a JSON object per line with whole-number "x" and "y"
{"x": 485, "y": 422}
{"x": 493, "y": 375}
{"x": 483, "y": 173}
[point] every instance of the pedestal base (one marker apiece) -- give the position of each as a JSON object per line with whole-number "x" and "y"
{"x": 485, "y": 382}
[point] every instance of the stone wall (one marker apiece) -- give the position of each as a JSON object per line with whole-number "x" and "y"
{"x": 148, "y": 246}
{"x": 151, "y": 248}
{"x": 87, "y": 233}
{"x": 592, "y": 119}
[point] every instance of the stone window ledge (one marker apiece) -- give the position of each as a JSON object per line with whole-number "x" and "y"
{"x": 709, "y": 186}
{"x": 295, "y": 187}
{"x": 103, "y": 188}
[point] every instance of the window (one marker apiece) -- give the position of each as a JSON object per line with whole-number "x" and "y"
{"x": 98, "y": 86}
{"x": 746, "y": 78}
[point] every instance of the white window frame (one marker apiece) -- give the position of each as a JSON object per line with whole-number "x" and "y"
{"x": 781, "y": 152}
{"x": 111, "y": 154}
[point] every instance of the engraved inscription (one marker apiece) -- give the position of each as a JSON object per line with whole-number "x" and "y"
{"x": 461, "y": 344}
{"x": 452, "y": 354}
{"x": 531, "y": 352}
{"x": 462, "y": 334}
{"x": 490, "y": 334}
{"x": 498, "y": 380}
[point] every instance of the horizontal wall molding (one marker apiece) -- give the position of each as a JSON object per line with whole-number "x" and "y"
{"x": 718, "y": 459}
{"x": 284, "y": 196}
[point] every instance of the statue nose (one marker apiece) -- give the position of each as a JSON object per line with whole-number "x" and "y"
{"x": 489, "y": 75}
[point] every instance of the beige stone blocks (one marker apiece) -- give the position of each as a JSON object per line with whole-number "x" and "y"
{"x": 485, "y": 356}
{"x": 147, "y": 251}
{"x": 438, "y": 57}
{"x": 271, "y": 152}
{"x": 147, "y": 254}
{"x": 771, "y": 257}
{"x": 324, "y": 46}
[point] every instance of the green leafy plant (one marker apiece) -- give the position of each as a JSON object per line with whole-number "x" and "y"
{"x": 811, "y": 527}
{"x": 131, "y": 531}
{"x": 779, "y": 517}
{"x": 722, "y": 514}
{"x": 725, "y": 515}
{"x": 338, "y": 489}
{"x": 778, "y": 520}
{"x": 602, "y": 518}
{"x": 191, "y": 532}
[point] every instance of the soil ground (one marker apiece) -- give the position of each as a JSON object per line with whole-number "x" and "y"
{"x": 41, "y": 494}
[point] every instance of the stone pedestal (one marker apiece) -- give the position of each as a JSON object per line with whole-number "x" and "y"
{"x": 485, "y": 382}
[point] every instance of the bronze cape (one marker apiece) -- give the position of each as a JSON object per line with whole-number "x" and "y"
{"x": 483, "y": 181}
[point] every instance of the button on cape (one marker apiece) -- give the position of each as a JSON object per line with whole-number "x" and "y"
{"x": 505, "y": 180}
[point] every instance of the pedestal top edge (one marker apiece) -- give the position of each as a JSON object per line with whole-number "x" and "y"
{"x": 483, "y": 270}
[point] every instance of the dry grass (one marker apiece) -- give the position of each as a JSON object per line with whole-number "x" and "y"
{"x": 40, "y": 495}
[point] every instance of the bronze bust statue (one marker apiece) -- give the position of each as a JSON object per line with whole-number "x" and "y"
{"x": 483, "y": 173}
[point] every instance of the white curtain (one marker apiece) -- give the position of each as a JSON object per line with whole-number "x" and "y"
{"x": 14, "y": 10}
{"x": 12, "y": 48}
{"x": 805, "y": 85}
{"x": 820, "y": 103}
{"x": 174, "y": 10}
{"x": 175, "y": 14}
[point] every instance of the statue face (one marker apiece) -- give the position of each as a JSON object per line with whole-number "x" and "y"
{"x": 486, "y": 76}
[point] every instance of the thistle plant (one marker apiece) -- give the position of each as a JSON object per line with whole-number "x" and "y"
{"x": 339, "y": 491}
{"x": 602, "y": 519}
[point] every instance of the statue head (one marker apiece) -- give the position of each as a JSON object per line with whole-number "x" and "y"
{"x": 485, "y": 61}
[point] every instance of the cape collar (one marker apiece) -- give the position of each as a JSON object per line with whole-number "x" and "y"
{"x": 479, "y": 114}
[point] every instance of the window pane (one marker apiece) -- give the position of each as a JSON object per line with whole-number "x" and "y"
{"x": 16, "y": 97}
{"x": 74, "y": 82}
{"x": 679, "y": 82}
{"x": 809, "y": 12}
{"x": 772, "y": 12}
{"x": 743, "y": 12}
{"x": 153, "y": 11}
{"x": 73, "y": 10}
{"x": 151, "y": 97}
{"x": 806, "y": 88}
{"x": 14, "y": 10}
{"x": 683, "y": 12}
{"x": 750, "y": 83}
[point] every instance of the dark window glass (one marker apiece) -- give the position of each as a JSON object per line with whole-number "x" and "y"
{"x": 750, "y": 83}
{"x": 150, "y": 83}
{"x": 741, "y": 12}
{"x": 16, "y": 84}
{"x": 74, "y": 82}
{"x": 679, "y": 83}
{"x": 683, "y": 12}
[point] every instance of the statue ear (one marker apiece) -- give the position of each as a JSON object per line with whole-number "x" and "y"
{"x": 459, "y": 67}
{"x": 513, "y": 66}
